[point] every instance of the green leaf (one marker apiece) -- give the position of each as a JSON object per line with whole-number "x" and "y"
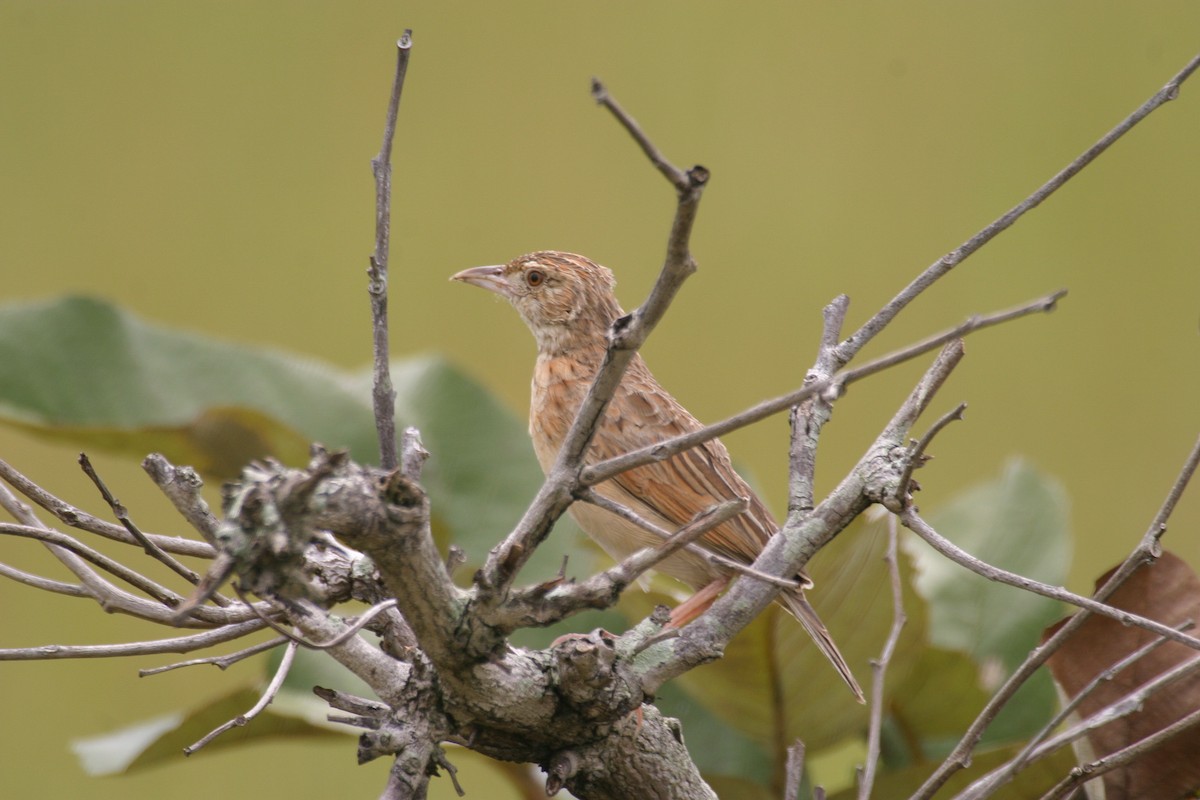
{"x": 82, "y": 370}
{"x": 162, "y": 739}
{"x": 292, "y": 714}
{"x": 932, "y": 705}
{"x": 1018, "y": 522}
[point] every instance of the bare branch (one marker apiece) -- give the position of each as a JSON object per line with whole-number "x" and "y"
{"x": 439, "y": 757}
{"x": 412, "y": 454}
{"x": 45, "y": 584}
{"x": 597, "y": 499}
{"x": 670, "y": 447}
{"x": 285, "y": 666}
{"x": 76, "y": 518}
{"x": 548, "y": 603}
{"x": 923, "y": 393}
{"x": 1126, "y": 755}
{"x": 1145, "y": 552}
{"x": 866, "y": 779}
{"x": 219, "y": 571}
{"x": 987, "y": 785}
{"x": 874, "y": 478}
{"x": 350, "y": 628}
{"x": 151, "y": 549}
{"x": 849, "y": 348}
{"x": 383, "y": 395}
{"x": 917, "y": 455}
{"x": 178, "y": 644}
{"x": 913, "y": 521}
{"x": 109, "y": 596}
{"x": 1159, "y": 525}
{"x": 387, "y": 677}
{"x": 221, "y": 662}
{"x": 676, "y": 176}
{"x": 61, "y": 540}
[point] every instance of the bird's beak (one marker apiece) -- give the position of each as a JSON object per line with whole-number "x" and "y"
{"x": 490, "y": 278}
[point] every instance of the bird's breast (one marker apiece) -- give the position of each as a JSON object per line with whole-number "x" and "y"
{"x": 559, "y": 385}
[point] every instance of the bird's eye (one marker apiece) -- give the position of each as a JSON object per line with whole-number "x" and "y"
{"x": 535, "y": 277}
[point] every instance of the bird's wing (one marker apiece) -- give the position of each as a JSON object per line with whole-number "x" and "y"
{"x": 644, "y": 414}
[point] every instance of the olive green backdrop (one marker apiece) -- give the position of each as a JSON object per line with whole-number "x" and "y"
{"x": 206, "y": 165}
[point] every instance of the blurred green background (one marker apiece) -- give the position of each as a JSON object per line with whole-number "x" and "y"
{"x": 207, "y": 166}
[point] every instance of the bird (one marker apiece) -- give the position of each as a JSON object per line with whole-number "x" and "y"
{"x": 569, "y": 303}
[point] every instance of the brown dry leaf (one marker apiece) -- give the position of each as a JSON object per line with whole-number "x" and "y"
{"x": 1167, "y": 591}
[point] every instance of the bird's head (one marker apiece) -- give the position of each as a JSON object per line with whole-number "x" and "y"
{"x": 565, "y": 299}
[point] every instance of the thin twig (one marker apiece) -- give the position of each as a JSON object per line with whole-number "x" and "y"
{"x": 915, "y": 523}
{"x": 221, "y": 662}
{"x": 352, "y": 627}
{"x": 676, "y": 176}
{"x": 1132, "y": 703}
{"x": 670, "y": 447}
{"x": 917, "y": 455}
{"x": 1022, "y": 758}
{"x": 383, "y": 395}
{"x": 631, "y": 568}
{"x": 178, "y": 644}
{"x": 992, "y": 781}
{"x": 285, "y": 665}
{"x": 219, "y": 571}
{"x": 1146, "y": 550}
{"x": 852, "y": 345}
{"x": 530, "y": 606}
{"x": 45, "y": 584}
{"x": 74, "y": 517}
{"x": 899, "y": 428}
{"x": 879, "y": 667}
{"x": 439, "y": 756}
{"x": 348, "y": 631}
{"x": 624, "y": 512}
{"x": 1120, "y": 758}
{"x": 661, "y": 636}
{"x": 66, "y": 542}
{"x": 151, "y": 549}
{"x": 102, "y": 591}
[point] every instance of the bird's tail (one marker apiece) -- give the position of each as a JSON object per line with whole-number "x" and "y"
{"x": 798, "y": 605}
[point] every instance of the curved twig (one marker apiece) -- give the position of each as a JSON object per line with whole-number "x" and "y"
{"x": 285, "y": 666}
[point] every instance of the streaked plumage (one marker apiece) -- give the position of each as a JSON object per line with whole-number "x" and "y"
{"x": 568, "y": 303}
